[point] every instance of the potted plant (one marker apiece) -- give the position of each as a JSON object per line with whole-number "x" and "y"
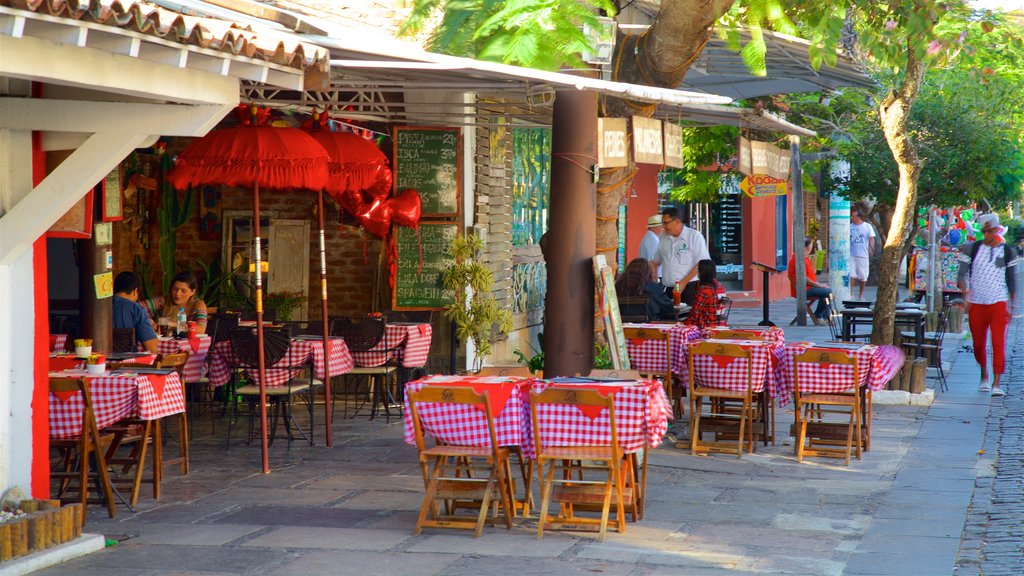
{"x": 474, "y": 313}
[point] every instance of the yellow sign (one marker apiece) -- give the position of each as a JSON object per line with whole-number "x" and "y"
{"x": 758, "y": 185}
{"x": 104, "y": 285}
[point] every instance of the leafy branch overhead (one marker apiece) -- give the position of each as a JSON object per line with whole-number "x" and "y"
{"x": 474, "y": 312}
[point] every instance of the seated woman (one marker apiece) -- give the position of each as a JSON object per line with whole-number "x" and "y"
{"x": 638, "y": 280}
{"x": 705, "y": 304}
{"x": 183, "y": 295}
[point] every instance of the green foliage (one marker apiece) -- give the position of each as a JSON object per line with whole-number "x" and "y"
{"x": 284, "y": 302}
{"x": 536, "y": 361}
{"x": 703, "y": 147}
{"x": 474, "y": 313}
{"x": 171, "y": 215}
{"x": 217, "y": 288}
{"x": 545, "y": 34}
{"x": 602, "y": 357}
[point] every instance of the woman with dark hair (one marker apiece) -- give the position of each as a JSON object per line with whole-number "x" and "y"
{"x": 705, "y": 304}
{"x": 183, "y": 295}
{"x": 638, "y": 280}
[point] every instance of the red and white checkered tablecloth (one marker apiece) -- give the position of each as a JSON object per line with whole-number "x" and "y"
{"x": 648, "y": 356}
{"x": 465, "y": 425}
{"x": 196, "y": 364}
{"x": 58, "y": 342}
{"x": 772, "y": 334}
{"x": 116, "y": 397}
{"x": 641, "y": 417}
{"x": 222, "y": 357}
{"x": 731, "y": 373}
{"x": 877, "y": 365}
{"x": 409, "y": 341}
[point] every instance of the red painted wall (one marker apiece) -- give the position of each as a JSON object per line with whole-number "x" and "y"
{"x": 759, "y": 246}
{"x": 639, "y": 209}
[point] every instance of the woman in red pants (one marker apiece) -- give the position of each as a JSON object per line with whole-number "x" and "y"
{"x": 986, "y": 280}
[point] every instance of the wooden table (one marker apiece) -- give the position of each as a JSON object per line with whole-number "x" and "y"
{"x": 912, "y": 318}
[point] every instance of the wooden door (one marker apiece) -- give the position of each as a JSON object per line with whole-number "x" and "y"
{"x": 288, "y": 255}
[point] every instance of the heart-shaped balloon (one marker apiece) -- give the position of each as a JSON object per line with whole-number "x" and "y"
{"x": 381, "y": 186}
{"x": 376, "y": 217}
{"x": 406, "y": 207}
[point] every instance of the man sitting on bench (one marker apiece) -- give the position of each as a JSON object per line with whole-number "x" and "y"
{"x": 816, "y": 291}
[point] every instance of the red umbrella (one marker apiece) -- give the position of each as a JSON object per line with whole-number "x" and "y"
{"x": 256, "y": 156}
{"x": 356, "y": 164}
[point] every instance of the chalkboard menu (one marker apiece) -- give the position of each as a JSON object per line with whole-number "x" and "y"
{"x": 729, "y": 223}
{"x": 419, "y": 288}
{"x": 428, "y": 160}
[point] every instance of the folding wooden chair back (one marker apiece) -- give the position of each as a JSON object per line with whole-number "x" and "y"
{"x": 565, "y": 480}
{"x": 448, "y": 469}
{"x": 720, "y": 419}
{"x": 514, "y": 371}
{"x": 815, "y": 435}
{"x": 674, "y": 399}
{"x": 87, "y": 449}
{"x": 177, "y": 362}
{"x": 740, "y": 335}
{"x": 623, "y": 374}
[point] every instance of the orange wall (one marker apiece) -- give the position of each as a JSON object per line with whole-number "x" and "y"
{"x": 639, "y": 209}
{"x": 759, "y": 246}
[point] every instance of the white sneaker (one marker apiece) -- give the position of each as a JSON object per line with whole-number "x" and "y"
{"x": 984, "y": 386}
{"x": 997, "y": 391}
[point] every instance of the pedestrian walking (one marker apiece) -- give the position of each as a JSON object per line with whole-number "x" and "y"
{"x": 986, "y": 281}
{"x": 862, "y": 246}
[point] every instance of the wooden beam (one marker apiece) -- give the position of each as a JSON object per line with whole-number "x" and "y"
{"x": 33, "y": 215}
{"x": 54, "y": 115}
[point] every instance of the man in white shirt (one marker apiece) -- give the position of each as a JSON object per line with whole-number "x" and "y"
{"x": 679, "y": 251}
{"x": 862, "y": 246}
{"x": 649, "y": 244}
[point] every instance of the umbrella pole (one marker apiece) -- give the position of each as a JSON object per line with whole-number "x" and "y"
{"x": 257, "y": 248}
{"x": 328, "y": 397}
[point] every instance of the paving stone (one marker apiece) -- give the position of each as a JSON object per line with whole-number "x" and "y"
{"x": 356, "y": 563}
{"x": 496, "y": 566}
{"x": 294, "y": 516}
{"x": 194, "y": 534}
{"x": 520, "y": 543}
{"x": 329, "y": 538}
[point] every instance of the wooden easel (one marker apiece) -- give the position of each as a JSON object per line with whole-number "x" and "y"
{"x": 609, "y": 301}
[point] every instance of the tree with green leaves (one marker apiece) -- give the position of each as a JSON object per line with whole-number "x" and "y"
{"x": 905, "y": 37}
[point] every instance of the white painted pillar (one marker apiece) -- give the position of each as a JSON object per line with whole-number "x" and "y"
{"x": 17, "y": 342}
{"x": 839, "y": 235}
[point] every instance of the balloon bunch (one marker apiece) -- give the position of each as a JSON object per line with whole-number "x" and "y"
{"x": 955, "y": 227}
{"x": 376, "y": 214}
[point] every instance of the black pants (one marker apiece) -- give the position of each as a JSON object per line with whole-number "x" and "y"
{"x": 689, "y": 295}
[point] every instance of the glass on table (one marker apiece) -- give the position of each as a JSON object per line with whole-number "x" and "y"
{"x": 165, "y": 325}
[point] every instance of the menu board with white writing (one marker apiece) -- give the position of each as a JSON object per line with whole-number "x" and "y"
{"x": 427, "y": 160}
{"x": 729, "y": 223}
{"x": 421, "y": 260}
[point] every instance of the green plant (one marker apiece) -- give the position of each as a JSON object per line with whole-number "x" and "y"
{"x": 217, "y": 288}
{"x": 284, "y": 302}
{"x": 474, "y": 312}
{"x": 602, "y": 357}
{"x": 170, "y": 215}
{"x": 536, "y": 362}
{"x": 144, "y": 270}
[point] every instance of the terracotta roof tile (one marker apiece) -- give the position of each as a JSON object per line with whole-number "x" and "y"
{"x": 145, "y": 18}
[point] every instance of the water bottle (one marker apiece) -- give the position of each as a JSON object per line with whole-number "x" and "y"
{"x": 182, "y": 328}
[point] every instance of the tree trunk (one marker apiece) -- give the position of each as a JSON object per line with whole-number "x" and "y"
{"x": 659, "y": 57}
{"x": 894, "y": 116}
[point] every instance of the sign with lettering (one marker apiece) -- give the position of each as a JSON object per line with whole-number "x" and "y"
{"x": 428, "y": 160}
{"x": 728, "y": 219}
{"x": 418, "y": 287}
{"x": 647, "y": 141}
{"x": 673, "y": 144}
{"x": 763, "y": 158}
{"x": 762, "y": 185}
{"x": 611, "y": 144}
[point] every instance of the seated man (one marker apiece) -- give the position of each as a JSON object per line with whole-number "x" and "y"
{"x": 815, "y": 289}
{"x": 127, "y": 313}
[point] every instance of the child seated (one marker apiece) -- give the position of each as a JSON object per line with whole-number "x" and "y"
{"x": 705, "y": 305}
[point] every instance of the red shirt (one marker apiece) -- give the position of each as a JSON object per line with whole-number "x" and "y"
{"x": 809, "y": 274}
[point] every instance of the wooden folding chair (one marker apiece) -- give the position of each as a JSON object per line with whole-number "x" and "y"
{"x": 740, "y": 335}
{"x": 676, "y": 401}
{"x": 177, "y": 362}
{"x": 568, "y": 466}
{"x": 85, "y": 449}
{"x": 814, "y": 435}
{"x": 515, "y": 371}
{"x": 624, "y": 374}
{"x": 720, "y": 419}
{"x": 448, "y": 468}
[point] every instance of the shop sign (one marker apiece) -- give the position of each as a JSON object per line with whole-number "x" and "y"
{"x": 611, "y": 146}
{"x": 647, "y": 141}
{"x": 758, "y": 185}
{"x": 763, "y": 158}
{"x": 673, "y": 145}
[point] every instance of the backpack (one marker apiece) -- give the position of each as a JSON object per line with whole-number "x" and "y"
{"x": 1009, "y": 254}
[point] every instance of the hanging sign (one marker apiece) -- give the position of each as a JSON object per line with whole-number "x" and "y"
{"x": 763, "y": 158}
{"x": 761, "y": 185}
{"x": 673, "y": 144}
{"x": 611, "y": 144}
{"x": 647, "y": 141}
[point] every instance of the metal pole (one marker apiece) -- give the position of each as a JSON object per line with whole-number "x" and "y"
{"x": 328, "y": 397}
{"x": 570, "y": 245}
{"x": 262, "y": 362}
{"x": 798, "y": 230}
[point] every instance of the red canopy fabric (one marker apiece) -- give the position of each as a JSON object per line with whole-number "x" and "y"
{"x": 355, "y": 164}
{"x": 246, "y": 156}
